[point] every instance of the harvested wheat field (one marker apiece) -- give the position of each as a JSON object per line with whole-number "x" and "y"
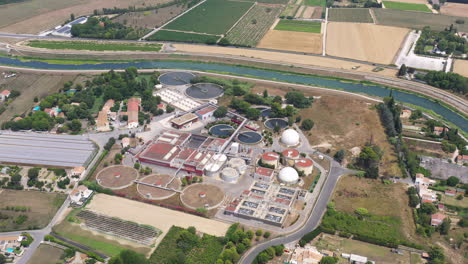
{"x": 461, "y": 67}
{"x": 30, "y": 17}
{"x": 152, "y": 215}
{"x": 455, "y": 9}
{"x": 366, "y": 42}
{"x": 281, "y": 57}
{"x": 292, "y": 41}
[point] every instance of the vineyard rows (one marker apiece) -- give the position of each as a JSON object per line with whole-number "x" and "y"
{"x": 251, "y": 29}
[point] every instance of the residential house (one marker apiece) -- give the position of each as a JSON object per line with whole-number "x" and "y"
{"x": 306, "y": 255}
{"x": 421, "y": 180}
{"x": 77, "y": 171}
{"x": 53, "y": 112}
{"x": 460, "y": 191}
{"x": 108, "y": 105}
{"x": 405, "y": 113}
{"x": 438, "y": 130}
{"x": 462, "y": 159}
{"x": 422, "y": 183}
{"x": 125, "y": 142}
{"x": 450, "y": 192}
{"x": 133, "y": 108}
{"x": 437, "y": 219}
{"x": 79, "y": 258}
{"x": 4, "y": 95}
{"x": 80, "y": 195}
{"x": 102, "y": 123}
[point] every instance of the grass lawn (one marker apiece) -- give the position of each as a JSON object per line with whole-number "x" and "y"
{"x": 300, "y": 26}
{"x": 46, "y": 254}
{"x": 406, "y": 6}
{"x": 165, "y": 35}
{"x": 376, "y": 253}
{"x": 94, "y": 46}
{"x": 314, "y": 2}
{"x": 212, "y": 17}
{"x": 452, "y": 200}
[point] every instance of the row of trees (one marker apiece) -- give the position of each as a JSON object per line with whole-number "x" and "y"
{"x": 104, "y": 28}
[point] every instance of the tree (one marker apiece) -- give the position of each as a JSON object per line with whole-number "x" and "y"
{"x": 267, "y": 234}
{"x": 361, "y": 212}
{"x": 279, "y": 250}
{"x": 169, "y": 109}
{"x": 220, "y": 112}
{"x": 339, "y": 155}
{"x": 298, "y": 99}
{"x": 33, "y": 173}
{"x": 224, "y": 42}
{"x": 403, "y": 70}
{"x": 452, "y": 181}
{"x": 75, "y": 125}
{"x": 445, "y": 226}
{"x": 72, "y": 16}
{"x": 252, "y": 113}
{"x": 265, "y": 93}
{"x": 436, "y": 254}
{"x": 328, "y": 260}
{"x": 259, "y": 232}
{"x": 2, "y": 259}
{"x": 307, "y": 124}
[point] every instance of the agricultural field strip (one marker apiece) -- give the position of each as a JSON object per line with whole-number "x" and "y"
{"x": 166, "y": 35}
{"x": 116, "y": 227}
{"x": 358, "y": 15}
{"x": 246, "y": 32}
{"x": 406, "y": 6}
{"x": 191, "y": 32}
{"x": 299, "y": 26}
{"x": 93, "y": 46}
{"x": 240, "y": 19}
{"x": 212, "y": 17}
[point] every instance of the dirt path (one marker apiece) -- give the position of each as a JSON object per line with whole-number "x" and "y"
{"x": 156, "y": 216}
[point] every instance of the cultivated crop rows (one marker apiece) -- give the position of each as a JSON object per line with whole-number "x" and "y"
{"x": 360, "y": 15}
{"x": 119, "y": 228}
{"x": 251, "y": 29}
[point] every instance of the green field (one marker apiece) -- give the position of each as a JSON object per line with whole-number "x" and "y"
{"x": 212, "y": 17}
{"x": 165, "y": 35}
{"x": 359, "y": 15}
{"x": 251, "y": 29}
{"x": 298, "y": 25}
{"x": 314, "y": 2}
{"x": 289, "y": 11}
{"x": 406, "y": 6}
{"x": 418, "y": 20}
{"x": 95, "y": 46}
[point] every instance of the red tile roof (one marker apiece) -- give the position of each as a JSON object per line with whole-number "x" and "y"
{"x": 206, "y": 110}
{"x": 264, "y": 171}
{"x": 304, "y": 162}
{"x": 5, "y": 93}
{"x": 270, "y": 156}
{"x": 290, "y": 153}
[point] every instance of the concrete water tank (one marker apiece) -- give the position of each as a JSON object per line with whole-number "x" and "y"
{"x": 229, "y": 174}
{"x": 238, "y": 164}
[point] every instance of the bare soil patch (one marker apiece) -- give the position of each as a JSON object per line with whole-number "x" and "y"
{"x": 363, "y": 41}
{"x": 461, "y": 67}
{"x": 117, "y": 177}
{"x": 285, "y": 58}
{"x": 292, "y": 41}
{"x": 154, "y": 193}
{"x": 46, "y": 254}
{"x": 150, "y": 19}
{"x": 455, "y": 9}
{"x": 158, "y": 217}
{"x": 202, "y": 196}
{"x": 31, "y": 17}
{"x": 308, "y": 12}
{"x": 41, "y": 208}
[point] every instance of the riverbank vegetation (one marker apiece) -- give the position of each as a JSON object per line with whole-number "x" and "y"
{"x": 94, "y": 45}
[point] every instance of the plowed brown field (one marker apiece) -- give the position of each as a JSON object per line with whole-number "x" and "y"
{"x": 32, "y": 17}
{"x": 292, "y": 41}
{"x": 366, "y": 42}
{"x": 461, "y": 67}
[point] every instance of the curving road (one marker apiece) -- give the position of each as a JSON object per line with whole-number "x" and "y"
{"x": 312, "y": 222}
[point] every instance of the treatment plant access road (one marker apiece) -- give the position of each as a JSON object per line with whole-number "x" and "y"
{"x": 311, "y": 223}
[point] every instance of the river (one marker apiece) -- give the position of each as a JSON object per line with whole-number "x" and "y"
{"x": 373, "y": 90}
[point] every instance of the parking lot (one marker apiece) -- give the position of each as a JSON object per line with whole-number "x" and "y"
{"x": 442, "y": 169}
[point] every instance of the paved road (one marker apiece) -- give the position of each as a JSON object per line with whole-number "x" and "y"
{"x": 314, "y": 219}
{"x": 38, "y": 235}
